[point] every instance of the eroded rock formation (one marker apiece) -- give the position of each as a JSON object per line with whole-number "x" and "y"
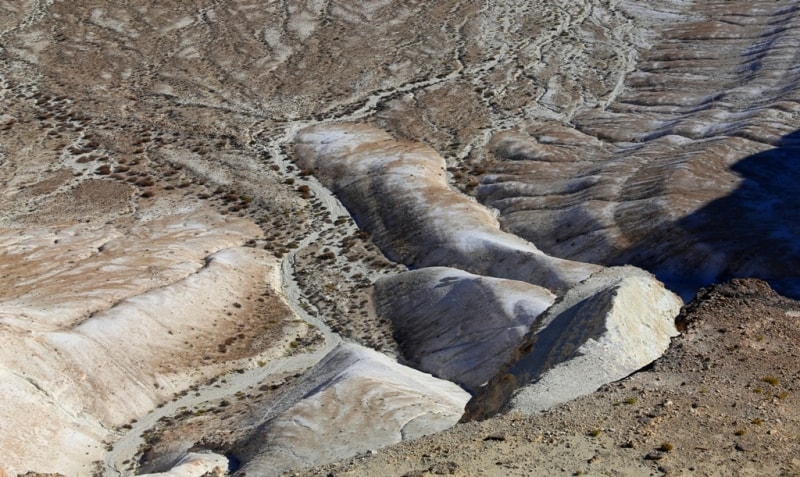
{"x": 397, "y": 191}
{"x": 600, "y": 331}
{"x": 101, "y": 323}
{"x": 688, "y": 172}
{"x": 353, "y": 401}
{"x": 657, "y": 132}
{"x": 606, "y": 323}
{"x": 456, "y": 325}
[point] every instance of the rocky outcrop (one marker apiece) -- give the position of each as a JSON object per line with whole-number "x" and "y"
{"x": 456, "y": 325}
{"x": 602, "y": 328}
{"x": 196, "y": 464}
{"x": 600, "y": 331}
{"x": 102, "y": 323}
{"x": 354, "y": 400}
{"x": 397, "y": 191}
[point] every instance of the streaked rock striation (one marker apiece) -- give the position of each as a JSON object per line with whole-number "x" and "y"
{"x": 132, "y": 317}
{"x": 456, "y": 325}
{"x": 354, "y": 400}
{"x": 600, "y": 331}
{"x": 611, "y": 322}
{"x": 196, "y": 464}
{"x": 688, "y": 172}
{"x": 397, "y": 191}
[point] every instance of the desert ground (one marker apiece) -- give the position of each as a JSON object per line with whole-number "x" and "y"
{"x": 313, "y": 237}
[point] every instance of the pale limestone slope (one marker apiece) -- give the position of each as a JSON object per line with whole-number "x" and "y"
{"x": 354, "y": 400}
{"x": 456, "y": 325}
{"x": 135, "y": 317}
{"x": 397, "y": 191}
{"x": 600, "y": 331}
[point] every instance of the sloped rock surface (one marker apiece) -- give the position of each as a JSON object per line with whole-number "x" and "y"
{"x": 687, "y": 172}
{"x": 657, "y": 132}
{"x": 456, "y": 325}
{"x": 195, "y": 464}
{"x": 604, "y": 329}
{"x": 134, "y": 316}
{"x": 397, "y": 191}
{"x": 612, "y": 323}
{"x": 353, "y": 401}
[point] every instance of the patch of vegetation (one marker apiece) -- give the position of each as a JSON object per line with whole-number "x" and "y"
{"x": 771, "y": 380}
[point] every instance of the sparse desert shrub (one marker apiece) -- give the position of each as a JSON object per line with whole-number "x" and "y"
{"x": 329, "y": 255}
{"x": 304, "y": 191}
{"x": 771, "y": 380}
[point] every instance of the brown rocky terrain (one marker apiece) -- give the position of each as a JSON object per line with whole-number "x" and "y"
{"x": 722, "y": 400}
{"x": 174, "y": 272}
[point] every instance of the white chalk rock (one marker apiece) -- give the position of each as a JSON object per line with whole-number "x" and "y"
{"x": 353, "y": 401}
{"x": 456, "y": 325}
{"x": 397, "y": 190}
{"x": 196, "y": 464}
{"x": 611, "y": 325}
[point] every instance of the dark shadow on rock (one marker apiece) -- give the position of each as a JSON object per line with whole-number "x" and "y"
{"x": 753, "y": 232}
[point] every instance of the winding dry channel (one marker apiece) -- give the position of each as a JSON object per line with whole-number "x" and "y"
{"x": 128, "y": 444}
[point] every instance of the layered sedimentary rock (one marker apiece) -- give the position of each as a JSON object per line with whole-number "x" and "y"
{"x": 101, "y": 323}
{"x": 397, "y": 191}
{"x": 688, "y": 172}
{"x": 657, "y": 132}
{"x": 456, "y": 325}
{"x": 611, "y": 322}
{"x": 354, "y": 400}
{"x": 600, "y": 331}
{"x": 195, "y": 464}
